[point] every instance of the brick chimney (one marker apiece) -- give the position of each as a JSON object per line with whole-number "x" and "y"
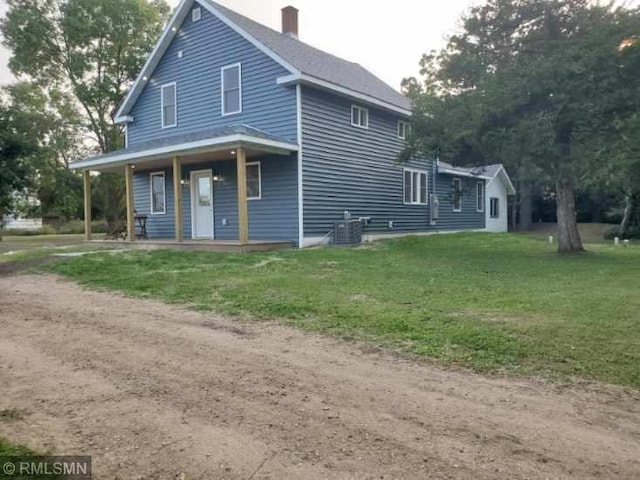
{"x": 290, "y": 21}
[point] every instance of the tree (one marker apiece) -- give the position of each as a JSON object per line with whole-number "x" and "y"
{"x": 49, "y": 118}
{"x": 523, "y": 83}
{"x": 16, "y": 173}
{"x": 88, "y": 51}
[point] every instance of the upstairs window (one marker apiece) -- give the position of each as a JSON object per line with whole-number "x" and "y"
{"x": 169, "y": 106}
{"x": 494, "y": 204}
{"x": 457, "y": 195}
{"x": 480, "y": 197}
{"x": 403, "y": 129}
{"x": 254, "y": 181}
{"x": 196, "y": 14}
{"x": 415, "y": 187}
{"x": 232, "y": 89}
{"x": 158, "y": 194}
{"x": 359, "y": 117}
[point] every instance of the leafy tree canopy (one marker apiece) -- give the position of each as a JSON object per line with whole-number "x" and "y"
{"x": 529, "y": 83}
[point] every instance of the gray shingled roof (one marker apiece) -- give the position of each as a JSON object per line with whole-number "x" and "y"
{"x": 485, "y": 171}
{"x": 316, "y": 63}
{"x": 210, "y": 133}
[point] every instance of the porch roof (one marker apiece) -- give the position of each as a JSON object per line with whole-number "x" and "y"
{"x": 209, "y": 140}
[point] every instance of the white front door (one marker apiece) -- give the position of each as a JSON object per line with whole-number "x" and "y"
{"x": 202, "y": 204}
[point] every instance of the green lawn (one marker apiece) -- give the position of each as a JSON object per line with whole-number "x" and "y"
{"x": 499, "y": 303}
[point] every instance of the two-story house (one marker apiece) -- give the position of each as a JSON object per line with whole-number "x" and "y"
{"x": 237, "y": 132}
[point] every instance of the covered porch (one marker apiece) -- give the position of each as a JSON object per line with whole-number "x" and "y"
{"x": 231, "y": 190}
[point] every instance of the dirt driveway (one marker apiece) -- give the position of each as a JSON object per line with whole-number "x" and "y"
{"x": 154, "y": 391}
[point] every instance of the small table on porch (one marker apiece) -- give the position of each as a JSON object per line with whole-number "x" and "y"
{"x": 141, "y": 227}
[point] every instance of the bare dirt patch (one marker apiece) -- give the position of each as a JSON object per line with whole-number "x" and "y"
{"x": 156, "y": 391}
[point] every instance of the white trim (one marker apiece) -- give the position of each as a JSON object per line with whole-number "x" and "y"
{"x": 163, "y": 43}
{"x": 404, "y": 186}
{"x": 196, "y": 14}
{"x": 191, "y": 147}
{"x": 480, "y": 184}
{"x": 259, "y": 164}
{"x": 457, "y": 210}
{"x": 192, "y": 192}
{"x": 164, "y": 192}
{"x": 175, "y": 104}
{"x": 300, "y": 172}
{"x": 461, "y": 173}
{"x": 126, "y": 135}
{"x": 260, "y": 46}
{"x": 222, "y": 104}
{"x": 363, "y": 111}
{"x": 405, "y": 129}
{"x": 307, "y": 79}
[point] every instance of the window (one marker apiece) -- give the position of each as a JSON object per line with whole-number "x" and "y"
{"x": 169, "y": 105}
{"x": 403, "y": 129}
{"x": 158, "y": 195}
{"x": 196, "y": 14}
{"x": 254, "y": 181}
{"x": 480, "y": 197}
{"x": 415, "y": 187}
{"x": 359, "y": 117}
{"x": 232, "y": 89}
{"x": 457, "y": 195}
{"x": 495, "y": 207}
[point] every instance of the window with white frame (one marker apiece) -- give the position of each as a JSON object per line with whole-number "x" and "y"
{"x": 415, "y": 187}
{"x": 403, "y": 129}
{"x": 196, "y": 14}
{"x": 480, "y": 197}
{"x": 254, "y": 181}
{"x": 494, "y": 204}
{"x": 158, "y": 193}
{"x": 169, "y": 101}
{"x": 457, "y": 195}
{"x": 232, "y": 89}
{"x": 359, "y": 116}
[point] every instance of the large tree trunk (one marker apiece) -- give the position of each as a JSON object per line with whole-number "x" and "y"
{"x": 568, "y": 235}
{"x": 526, "y": 205}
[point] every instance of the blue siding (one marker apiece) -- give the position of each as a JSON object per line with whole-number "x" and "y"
{"x": 346, "y": 168}
{"x": 273, "y": 217}
{"x": 467, "y": 219}
{"x": 349, "y": 168}
{"x": 207, "y": 45}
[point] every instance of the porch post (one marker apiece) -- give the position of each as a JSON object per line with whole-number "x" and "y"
{"x": 177, "y": 197}
{"x": 128, "y": 182}
{"x": 243, "y": 215}
{"x": 86, "y": 177}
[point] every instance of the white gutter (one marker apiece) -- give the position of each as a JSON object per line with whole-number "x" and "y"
{"x": 309, "y": 80}
{"x": 182, "y": 148}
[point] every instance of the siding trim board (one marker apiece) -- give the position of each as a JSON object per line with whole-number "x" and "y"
{"x": 300, "y": 173}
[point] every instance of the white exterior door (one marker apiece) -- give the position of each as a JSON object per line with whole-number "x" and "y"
{"x": 202, "y": 204}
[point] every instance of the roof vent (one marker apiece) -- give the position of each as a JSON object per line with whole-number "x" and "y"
{"x": 290, "y": 21}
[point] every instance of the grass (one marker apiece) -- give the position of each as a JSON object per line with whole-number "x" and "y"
{"x": 9, "y": 449}
{"x": 491, "y": 302}
{"x": 591, "y": 233}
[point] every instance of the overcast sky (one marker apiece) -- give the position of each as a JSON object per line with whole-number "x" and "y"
{"x": 386, "y": 37}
